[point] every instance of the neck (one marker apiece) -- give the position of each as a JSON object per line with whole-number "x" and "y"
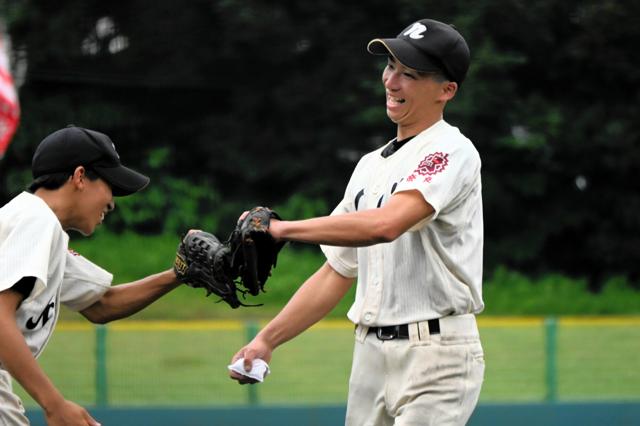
{"x": 406, "y": 131}
{"x": 56, "y": 200}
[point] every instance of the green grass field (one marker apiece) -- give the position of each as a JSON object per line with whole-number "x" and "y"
{"x": 131, "y": 256}
{"x": 184, "y": 363}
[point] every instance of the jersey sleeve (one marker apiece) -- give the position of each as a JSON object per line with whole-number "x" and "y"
{"x": 25, "y": 249}
{"x": 84, "y": 282}
{"x": 442, "y": 175}
{"x": 344, "y": 260}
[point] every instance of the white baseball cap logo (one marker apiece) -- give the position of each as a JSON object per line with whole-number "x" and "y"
{"x": 416, "y": 31}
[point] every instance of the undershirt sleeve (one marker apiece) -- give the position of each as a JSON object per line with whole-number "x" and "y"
{"x": 24, "y": 286}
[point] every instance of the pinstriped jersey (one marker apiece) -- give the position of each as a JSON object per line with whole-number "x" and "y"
{"x": 33, "y": 244}
{"x": 435, "y": 268}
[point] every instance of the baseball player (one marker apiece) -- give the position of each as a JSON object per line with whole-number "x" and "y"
{"x": 77, "y": 172}
{"x": 410, "y": 229}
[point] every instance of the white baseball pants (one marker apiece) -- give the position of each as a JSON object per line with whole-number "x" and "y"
{"x": 11, "y": 409}
{"x": 426, "y": 380}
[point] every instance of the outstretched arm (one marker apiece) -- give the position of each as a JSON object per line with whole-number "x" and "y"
{"x": 358, "y": 229}
{"x": 125, "y": 300}
{"x": 313, "y": 300}
{"x": 20, "y": 363}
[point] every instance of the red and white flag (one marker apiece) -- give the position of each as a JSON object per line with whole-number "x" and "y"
{"x": 9, "y": 107}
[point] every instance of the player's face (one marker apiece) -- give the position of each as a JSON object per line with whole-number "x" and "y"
{"x": 95, "y": 202}
{"x": 411, "y": 96}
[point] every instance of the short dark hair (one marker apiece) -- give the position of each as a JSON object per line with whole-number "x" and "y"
{"x": 56, "y": 180}
{"x": 438, "y": 77}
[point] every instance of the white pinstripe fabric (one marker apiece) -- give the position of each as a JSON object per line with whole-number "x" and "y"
{"x": 435, "y": 269}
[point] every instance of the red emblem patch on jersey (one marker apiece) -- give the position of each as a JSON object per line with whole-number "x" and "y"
{"x": 431, "y": 165}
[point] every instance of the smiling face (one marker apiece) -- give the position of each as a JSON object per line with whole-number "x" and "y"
{"x": 415, "y": 100}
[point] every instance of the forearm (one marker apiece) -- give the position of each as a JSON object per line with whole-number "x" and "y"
{"x": 356, "y": 229}
{"x": 125, "y": 300}
{"x": 312, "y": 302}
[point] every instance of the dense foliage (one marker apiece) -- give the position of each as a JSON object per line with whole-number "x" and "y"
{"x": 232, "y": 103}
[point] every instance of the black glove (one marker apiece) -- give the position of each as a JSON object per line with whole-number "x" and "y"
{"x": 202, "y": 261}
{"x": 254, "y": 252}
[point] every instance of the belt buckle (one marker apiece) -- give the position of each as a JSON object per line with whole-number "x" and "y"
{"x": 384, "y": 336}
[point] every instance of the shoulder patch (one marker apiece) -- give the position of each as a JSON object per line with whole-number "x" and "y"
{"x": 429, "y": 166}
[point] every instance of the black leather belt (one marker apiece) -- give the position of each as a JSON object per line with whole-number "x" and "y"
{"x": 402, "y": 331}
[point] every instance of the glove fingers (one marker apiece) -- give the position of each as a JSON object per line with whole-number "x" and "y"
{"x": 250, "y": 277}
{"x": 203, "y": 261}
{"x": 266, "y": 256}
{"x": 253, "y": 250}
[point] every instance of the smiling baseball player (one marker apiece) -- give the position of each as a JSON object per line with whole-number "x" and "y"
{"x": 77, "y": 172}
{"x": 410, "y": 229}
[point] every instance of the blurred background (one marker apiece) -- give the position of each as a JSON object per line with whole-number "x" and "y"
{"x": 233, "y": 103}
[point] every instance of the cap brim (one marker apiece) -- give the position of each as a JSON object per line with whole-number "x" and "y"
{"x": 123, "y": 180}
{"x": 404, "y": 52}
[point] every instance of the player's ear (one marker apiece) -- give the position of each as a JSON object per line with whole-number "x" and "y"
{"x": 78, "y": 176}
{"x": 449, "y": 90}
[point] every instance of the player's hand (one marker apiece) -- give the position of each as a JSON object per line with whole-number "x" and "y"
{"x": 273, "y": 225}
{"x": 243, "y": 215}
{"x": 254, "y": 350}
{"x": 70, "y": 414}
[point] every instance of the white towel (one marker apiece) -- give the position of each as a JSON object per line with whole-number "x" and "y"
{"x": 259, "y": 369}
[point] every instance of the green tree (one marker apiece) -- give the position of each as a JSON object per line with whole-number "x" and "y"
{"x": 233, "y": 103}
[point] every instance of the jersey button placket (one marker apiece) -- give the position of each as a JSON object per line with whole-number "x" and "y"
{"x": 376, "y": 277}
{"x": 372, "y": 295}
{"x": 374, "y": 253}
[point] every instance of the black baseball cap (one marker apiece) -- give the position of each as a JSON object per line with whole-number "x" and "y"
{"x": 427, "y": 45}
{"x": 68, "y": 148}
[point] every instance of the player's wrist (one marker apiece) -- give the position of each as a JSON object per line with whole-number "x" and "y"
{"x": 269, "y": 339}
{"x": 171, "y": 277}
{"x": 276, "y": 229}
{"x": 52, "y": 402}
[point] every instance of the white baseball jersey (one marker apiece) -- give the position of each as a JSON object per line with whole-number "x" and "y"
{"x": 435, "y": 268}
{"x": 33, "y": 244}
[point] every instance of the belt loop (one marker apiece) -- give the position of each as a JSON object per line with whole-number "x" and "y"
{"x": 415, "y": 334}
{"x": 361, "y": 332}
{"x": 423, "y": 331}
